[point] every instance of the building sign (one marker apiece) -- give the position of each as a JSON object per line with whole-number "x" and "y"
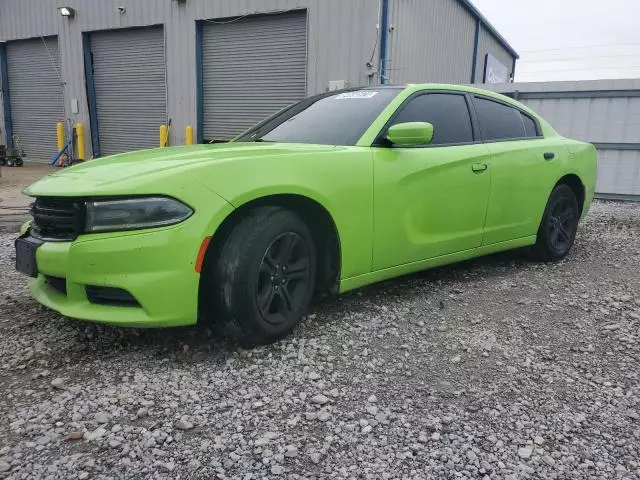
{"x": 494, "y": 71}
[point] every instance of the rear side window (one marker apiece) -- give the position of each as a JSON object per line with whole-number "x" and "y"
{"x": 498, "y": 121}
{"x": 530, "y": 127}
{"x": 448, "y": 113}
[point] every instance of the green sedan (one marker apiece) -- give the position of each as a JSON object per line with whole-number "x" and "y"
{"x": 335, "y": 192}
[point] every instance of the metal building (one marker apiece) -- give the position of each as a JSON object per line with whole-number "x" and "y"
{"x": 124, "y": 67}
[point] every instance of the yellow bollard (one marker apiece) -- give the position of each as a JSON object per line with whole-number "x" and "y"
{"x": 163, "y": 136}
{"x": 80, "y": 141}
{"x": 60, "y": 135}
{"x": 189, "y": 135}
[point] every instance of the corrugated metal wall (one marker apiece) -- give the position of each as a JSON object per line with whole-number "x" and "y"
{"x": 487, "y": 43}
{"x": 431, "y": 41}
{"x": 603, "y": 112}
{"x": 342, "y": 35}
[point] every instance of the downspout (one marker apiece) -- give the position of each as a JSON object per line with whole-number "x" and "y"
{"x": 474, "y": 60}
{"x": 91, "y": 94}
{"x": 6, "y": 103}
{"x": 384, "y": 40}
{"x": 513, "y": 71}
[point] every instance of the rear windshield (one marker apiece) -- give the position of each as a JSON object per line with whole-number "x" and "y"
{"x": 339, "y": 118}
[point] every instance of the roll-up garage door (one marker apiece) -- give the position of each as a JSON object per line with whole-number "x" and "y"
{"x": 251, "y": 68}
{"x": 35, "y": 93}
{"x": 130, "y": 88}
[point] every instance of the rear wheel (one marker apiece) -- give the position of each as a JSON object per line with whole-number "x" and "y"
{"x": 264, "y": 276}
{"x": 557, "y": 230}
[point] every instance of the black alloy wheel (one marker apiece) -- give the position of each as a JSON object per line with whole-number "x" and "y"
{"x": 283, "y": 277}
{"x": 260, "y": 280}
{"x": 559, "y": 225}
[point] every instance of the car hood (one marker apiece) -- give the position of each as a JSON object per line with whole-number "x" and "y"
{"x": 136, "y": 172}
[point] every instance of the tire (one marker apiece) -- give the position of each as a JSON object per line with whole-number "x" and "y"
{"x": 255, "y": 296}
{"x": 10, "y": 162}
{"x": 558, "y": 227}
{"x": 19, "y": 162}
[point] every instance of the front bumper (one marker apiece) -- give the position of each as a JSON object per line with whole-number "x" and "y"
{"x": 156, "y": 267}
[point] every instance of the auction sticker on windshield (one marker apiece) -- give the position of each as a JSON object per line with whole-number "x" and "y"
{"x": 357, "y": 94}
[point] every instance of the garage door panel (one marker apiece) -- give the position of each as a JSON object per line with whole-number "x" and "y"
{"x": 130, "y": 88}
{"x": 36, "y": 95}
{"x": 251, "y": 68}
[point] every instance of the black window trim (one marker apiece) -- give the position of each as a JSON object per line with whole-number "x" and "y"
{"x": 381, "y": 140}
{"x": 539, "y": 135}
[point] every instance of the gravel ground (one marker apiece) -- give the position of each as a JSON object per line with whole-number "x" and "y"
{"x": 498, "y": 368}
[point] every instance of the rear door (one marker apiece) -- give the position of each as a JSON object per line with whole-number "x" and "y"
{"x": 430, "y": 200}
{"x": 524, "y": 169}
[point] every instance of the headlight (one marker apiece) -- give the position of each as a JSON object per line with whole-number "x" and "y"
{"x": 135, "y": 213}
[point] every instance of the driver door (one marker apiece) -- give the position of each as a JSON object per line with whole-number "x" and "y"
{"x": 430, "y": 200}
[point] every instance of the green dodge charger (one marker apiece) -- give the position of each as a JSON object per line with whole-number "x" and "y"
{"x": 335, "y": 192}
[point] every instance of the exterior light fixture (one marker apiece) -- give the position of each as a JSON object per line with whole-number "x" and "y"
{"x": 67, "y": 12}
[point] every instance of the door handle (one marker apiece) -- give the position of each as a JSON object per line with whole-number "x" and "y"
{"x": 479, "y": 167}
{"x": 549, "y": 156}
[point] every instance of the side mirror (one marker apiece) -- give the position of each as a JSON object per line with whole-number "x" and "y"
{"x": 410, "y": 133}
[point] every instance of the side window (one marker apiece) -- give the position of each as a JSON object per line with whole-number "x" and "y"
{"x": 498, "y": 121}
{"x": 448, "y": 113}
{"x": 530, "y": 127}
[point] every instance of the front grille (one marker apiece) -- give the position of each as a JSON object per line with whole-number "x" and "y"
{"x": 110, "y": 296}
{"x": 57, "y": 283}
{"x": 57, "y": 219}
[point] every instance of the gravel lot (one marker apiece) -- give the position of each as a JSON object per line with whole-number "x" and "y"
{"x": 499, "y": 368}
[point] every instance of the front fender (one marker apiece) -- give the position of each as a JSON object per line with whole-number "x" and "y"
{"x": 340, "y": 181}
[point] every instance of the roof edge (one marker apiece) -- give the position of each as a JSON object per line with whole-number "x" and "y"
{"x": 483, "y": 20}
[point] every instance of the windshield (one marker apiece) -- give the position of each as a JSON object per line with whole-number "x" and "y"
{"x": 336, "y": 118}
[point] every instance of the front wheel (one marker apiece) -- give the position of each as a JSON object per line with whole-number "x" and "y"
{"x": 264, "y": 276}
{"x": 557, "y": 230}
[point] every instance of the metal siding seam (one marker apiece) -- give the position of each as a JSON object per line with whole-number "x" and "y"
{"x": 384, "y": 39}
{"x": 6, "y": 103}
{"x": 91, "y": 94}
{"x": 579, "y": 94}
{"x": 618, "y": 196}
{"x": 199, "y": 86}
{"x": 616, "y": 145}
{"x": 474, "y": 60}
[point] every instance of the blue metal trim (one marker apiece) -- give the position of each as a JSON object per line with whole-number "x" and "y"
{"x": 6, "y": 102}
{"x": 199, "y": 86}
{"x": 384, "y": 40}
{"x": 476, "y": 13}
{"x": 484, "y": 69}
{"x": 91, "y": 94}
{"x": 474, "y": 61}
